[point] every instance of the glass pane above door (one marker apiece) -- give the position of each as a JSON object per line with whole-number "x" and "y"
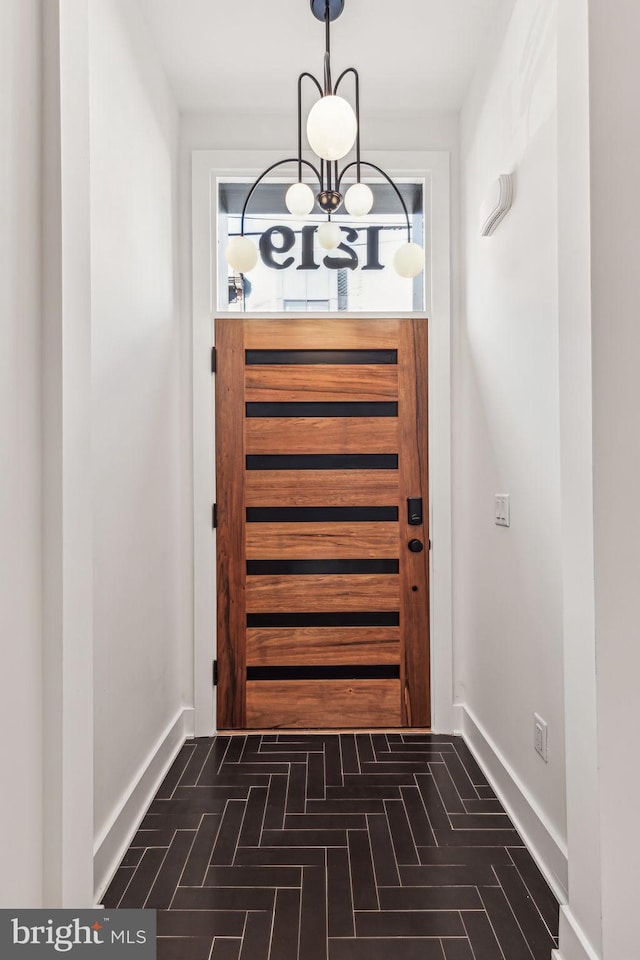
{"x": 294, "y": 274}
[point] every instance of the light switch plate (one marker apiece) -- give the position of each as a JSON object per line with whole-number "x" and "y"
{"x": 503, "y": 510}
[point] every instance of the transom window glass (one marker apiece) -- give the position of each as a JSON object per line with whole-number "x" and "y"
{"x": 294, "y": 273}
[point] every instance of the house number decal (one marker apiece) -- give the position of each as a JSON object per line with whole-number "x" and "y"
{"x": 278, "y": 241}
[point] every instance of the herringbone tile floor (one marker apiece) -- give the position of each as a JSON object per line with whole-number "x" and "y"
{"x": 334, "y": 847}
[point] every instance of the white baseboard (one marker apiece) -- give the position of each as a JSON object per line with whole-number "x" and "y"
{"x": 573, "y": 943}
{"x": 548, "y": 850}
{"x": 111, "y": 845}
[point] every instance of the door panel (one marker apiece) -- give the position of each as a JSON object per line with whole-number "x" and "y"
{"x": 298, "y": 541}
{"x": 333, "y": 488}
{"x": 322, "y": 383}
{"x": 303, "y": 703}
{"x": 307, "y": 335}
{"x": 321, "y": 436}
{"x": 322, "y": 593}
{"x": 326, "y": 645}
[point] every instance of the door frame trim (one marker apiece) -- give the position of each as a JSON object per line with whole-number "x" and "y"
{"x": 434, "y": 168}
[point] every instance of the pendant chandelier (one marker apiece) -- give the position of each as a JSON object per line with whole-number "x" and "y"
{"x": 333, "y": 132}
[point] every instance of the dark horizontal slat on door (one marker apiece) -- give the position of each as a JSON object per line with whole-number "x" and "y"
{"x": 259, "y": 357}
{"x": 386, "y": 671}
{"x": 325, "y": 409}
{"x": 337, "y": 618}
{"x": 319, "y": 514}
{"x": 299, "y": 567}
{"x": 322, "y": 461}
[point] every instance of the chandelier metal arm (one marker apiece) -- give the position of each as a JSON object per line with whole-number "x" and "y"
{"x": 389, "y": 180}
{"x": 357, "y": 92}
{"x": 265, "y": 173}
{"x": 332, "y": 137}
{"x": 300, "y": 79}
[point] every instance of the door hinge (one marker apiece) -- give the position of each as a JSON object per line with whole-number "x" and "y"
{"x": 429, "y": 544}
{"x": 214, "y": 516}
{"x": 213, "y": 359}
{"x": 215, "y": 673}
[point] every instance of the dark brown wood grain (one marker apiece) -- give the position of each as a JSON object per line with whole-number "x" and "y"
{"x": 294, "y": 646}
{"x": 323, "y": 382}
{"x": 414, "y": 478}
{"x": 322, "y": 593}
{"x": 328, "y": 488}
{"x": 323, "y": 703}
{"x": 309, "y": 541}
{"x": 230, "y": 551}
{"x": 282, "y": 435}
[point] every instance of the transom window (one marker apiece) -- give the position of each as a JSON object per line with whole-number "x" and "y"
{"x": 294, "y": 273}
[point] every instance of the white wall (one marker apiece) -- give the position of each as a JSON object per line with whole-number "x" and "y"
{"x": 66, "y": 449}
{"x": 580, "y": 919}
{"x": 508, "y": 653}
{"x": 140, "y": 627}
{"x": 615, "y": 288}
{"x": 20, "y": 454}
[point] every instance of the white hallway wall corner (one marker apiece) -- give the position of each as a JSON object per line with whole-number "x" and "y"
{"x": 581, "y": 916}
{"x": 61, "y": 858}
{"x": 547, "y": 847}
{"x": 114, "y": 839}
{"x": 615, "y": 290}
{"x": 580, "y": 923}
{"x": 207, "y": 166}
{"x": 600, "y": 561}
{"x": 508, "y": 582}
{"x": 67, "y": 526}
{"x": 140, "y": 467}
{"x": 21, "y": 452}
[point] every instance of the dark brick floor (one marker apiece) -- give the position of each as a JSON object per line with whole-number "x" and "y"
{"x": 334, "y": 847}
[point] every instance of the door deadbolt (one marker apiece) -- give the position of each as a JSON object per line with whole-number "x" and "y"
{"x": 414, "y": 511}
{"x": 416, "y": 546}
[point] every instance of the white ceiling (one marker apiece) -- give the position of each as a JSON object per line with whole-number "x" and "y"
{"x": 244, "y": 56}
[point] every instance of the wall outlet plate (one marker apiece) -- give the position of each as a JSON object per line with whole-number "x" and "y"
{"x": 540, "y": 736}
{"x": 503, "y": 510}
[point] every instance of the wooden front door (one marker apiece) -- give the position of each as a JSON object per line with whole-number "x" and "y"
{"x": 322, "y": 540}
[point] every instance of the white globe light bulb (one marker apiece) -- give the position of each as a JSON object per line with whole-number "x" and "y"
{"x": 409, "y": 260}
{"x": 329, "y": 235}
{"x": 300, "y": 199}
{"x": 331, "y": 128}
{"x": 358, "y": 200}
{"x": 242, "y": 254}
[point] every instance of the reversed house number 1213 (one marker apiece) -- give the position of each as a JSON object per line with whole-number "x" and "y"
{"x": 279, "y": 240}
